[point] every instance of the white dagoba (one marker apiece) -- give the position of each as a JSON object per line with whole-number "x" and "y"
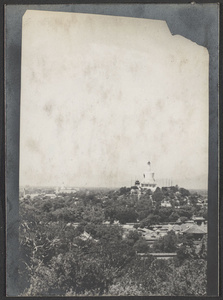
{"x": 148, "y": 181}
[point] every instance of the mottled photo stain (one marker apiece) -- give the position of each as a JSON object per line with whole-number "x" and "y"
{"x": 48, "y": 108}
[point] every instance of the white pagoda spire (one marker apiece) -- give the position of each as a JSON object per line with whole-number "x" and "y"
{"x": 148, "y": 181}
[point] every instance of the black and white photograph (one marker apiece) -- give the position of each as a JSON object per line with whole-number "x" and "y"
{"x": 113, "y": 178}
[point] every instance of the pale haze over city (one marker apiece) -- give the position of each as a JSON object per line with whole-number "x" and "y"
{"x": 101, "y": 96}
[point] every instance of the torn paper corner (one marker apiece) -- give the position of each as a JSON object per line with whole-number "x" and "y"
{"x": 185, "y": 42}
{"x": 148, "y": 27}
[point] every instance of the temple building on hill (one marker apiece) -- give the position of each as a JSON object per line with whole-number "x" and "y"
{"x": 148, "y": 180}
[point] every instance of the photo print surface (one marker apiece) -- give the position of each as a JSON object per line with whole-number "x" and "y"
{"x": 113, "y": 174}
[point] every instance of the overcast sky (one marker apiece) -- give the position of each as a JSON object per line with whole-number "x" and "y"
{"x": 101, "y": 96}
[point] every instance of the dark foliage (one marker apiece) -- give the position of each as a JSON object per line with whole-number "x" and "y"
{"x": 66, "y": 249}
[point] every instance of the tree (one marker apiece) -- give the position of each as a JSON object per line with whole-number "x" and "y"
{"x": 158, "y": 196}
{"x": 165, "y": 214}
{"x": 124, "y": 190}
{"x": 167, "y": 243}
{"x": 152, "y": 219}
{"x": 144, "y": 207}
{"x": 141, "y": 246}
{"x": 174, "y": 216}
{"x": 189, "y": 279}
{"x": 127, "y": 215}
{"x": 203, "y": 248}
{"x": 133, "y": 236}
{"x": 57, "y": 259}
{"x": 186, "y": 250}
{"x": 184, "y": 192}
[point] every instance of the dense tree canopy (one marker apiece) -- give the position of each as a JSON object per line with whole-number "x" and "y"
{"x": 71, "y": 245}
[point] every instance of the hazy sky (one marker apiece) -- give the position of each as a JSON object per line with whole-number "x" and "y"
{"x": 101, "y": 96}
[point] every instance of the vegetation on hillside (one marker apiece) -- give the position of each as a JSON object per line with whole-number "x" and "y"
{"x": 61, "y": 257}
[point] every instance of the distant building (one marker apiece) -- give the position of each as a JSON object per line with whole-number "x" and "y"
{"x": 29, "y": 195}
{"x": 65, "y": 190}
{"x": 51, "y": 196}
{"x": 148, "y": 180}
{"x": 195, "y": 231}
{"x": 32, "y": 196}
{"x": 157, "y": 255}
{"x": 85, "y": 236}
{"x": 164, "y": 255}
{"x": 166, "y": 203}
{"x": 199, "y": 220}
{"x": 137, "y": 183}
